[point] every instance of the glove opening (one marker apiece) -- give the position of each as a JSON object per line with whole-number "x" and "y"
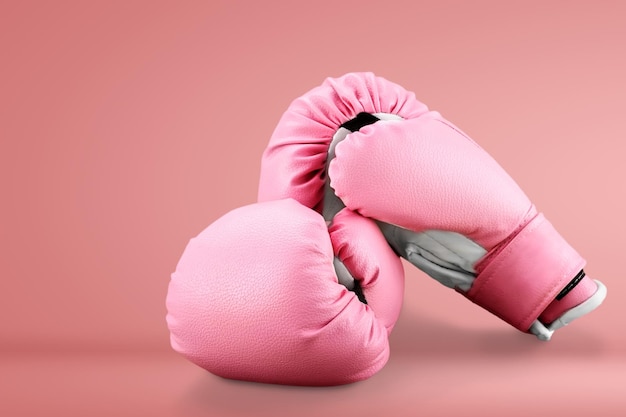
{"x": 361, "y": 119}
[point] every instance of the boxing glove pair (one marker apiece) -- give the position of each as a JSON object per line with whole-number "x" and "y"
{"x": 305, "y": 286}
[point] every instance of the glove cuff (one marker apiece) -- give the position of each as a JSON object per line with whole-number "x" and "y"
{"x": 522, "y": 277}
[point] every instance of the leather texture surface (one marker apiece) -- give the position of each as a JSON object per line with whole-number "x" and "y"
{"x": 294, "y": 162}
{"x": 423, "y": 173}
{"x": 255, "y": 297}
{"x": 430, "y": 175}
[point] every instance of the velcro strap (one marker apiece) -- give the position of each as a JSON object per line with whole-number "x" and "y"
{"x": 519, "y": 280}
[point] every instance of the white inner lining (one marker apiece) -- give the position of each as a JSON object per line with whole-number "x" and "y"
{"x": 446, "y": 256}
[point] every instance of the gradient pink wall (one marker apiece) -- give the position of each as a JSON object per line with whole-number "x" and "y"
{"x": 127, "y": 127}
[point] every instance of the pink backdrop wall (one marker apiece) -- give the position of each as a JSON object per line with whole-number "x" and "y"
{"x": 127, "y": 127}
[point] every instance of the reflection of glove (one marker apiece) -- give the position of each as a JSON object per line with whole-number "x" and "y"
{"x": 442, "y": 202}
{"x": 255, "y": 296}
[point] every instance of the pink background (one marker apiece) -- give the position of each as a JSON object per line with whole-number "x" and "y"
{"x": 126, "y": 127}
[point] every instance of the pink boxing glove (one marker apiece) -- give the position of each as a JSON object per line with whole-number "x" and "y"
{"x": 255, "y": 296}
{"x": 442, "y": 202}
{"x": 294, "y": 164}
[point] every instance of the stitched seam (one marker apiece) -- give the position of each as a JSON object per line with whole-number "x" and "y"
{"x": 457, "y": 130}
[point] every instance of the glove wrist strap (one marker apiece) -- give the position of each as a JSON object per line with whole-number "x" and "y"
{"x": 526, "y": 275}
